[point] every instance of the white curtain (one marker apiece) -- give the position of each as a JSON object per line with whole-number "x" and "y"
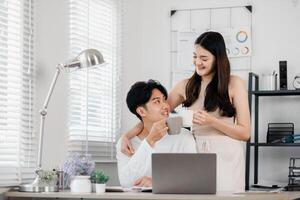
{"x": 94, "y": 97}
{"x": 17, "y": 139}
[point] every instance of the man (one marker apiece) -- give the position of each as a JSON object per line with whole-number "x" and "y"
{"x": 147, "y": 100}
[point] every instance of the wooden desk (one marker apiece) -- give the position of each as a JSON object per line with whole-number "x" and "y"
{"x": 150, "y": 196}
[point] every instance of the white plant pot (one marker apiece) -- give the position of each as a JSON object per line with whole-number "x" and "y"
{"x": 100, "y": 188}
{"x": 81, "y": 184}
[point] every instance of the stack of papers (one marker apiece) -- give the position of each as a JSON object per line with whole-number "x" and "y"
{"x": 114, "y": 189}
{"x": 132, "y": 189}
{"x": 141, "y": 189}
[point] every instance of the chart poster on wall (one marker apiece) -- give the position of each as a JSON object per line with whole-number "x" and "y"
{"x": 237, "y": 40}
{"x": 185, "y": 44}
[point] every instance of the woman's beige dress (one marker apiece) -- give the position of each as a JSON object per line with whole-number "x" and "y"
{"x": 230, "y": 152}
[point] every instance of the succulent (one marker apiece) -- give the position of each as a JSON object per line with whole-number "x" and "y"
{"x": 99, "y": 177}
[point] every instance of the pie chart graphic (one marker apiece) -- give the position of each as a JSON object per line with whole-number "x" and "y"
{"x": 245, "y": 50}
{"x": 241, "y": 36}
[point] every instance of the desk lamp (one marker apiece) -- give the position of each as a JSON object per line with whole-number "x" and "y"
{"x": 87, "y": 58}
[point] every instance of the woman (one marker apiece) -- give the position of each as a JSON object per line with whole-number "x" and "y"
{"x": 221, "y": 119}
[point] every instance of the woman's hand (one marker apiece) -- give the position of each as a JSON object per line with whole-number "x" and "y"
{"x": 126, "y": 146}
{"x": 201, "y": 117}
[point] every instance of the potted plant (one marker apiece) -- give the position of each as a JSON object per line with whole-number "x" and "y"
{"x": 79, "y": 168}
{"x": 47, "y": 177}
{"x": 99, "y": 179}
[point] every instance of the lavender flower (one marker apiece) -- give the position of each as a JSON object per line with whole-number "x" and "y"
{"x": 76, "y": 164}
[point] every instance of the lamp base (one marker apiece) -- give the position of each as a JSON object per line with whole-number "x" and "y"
{"x": 34, "y": 188}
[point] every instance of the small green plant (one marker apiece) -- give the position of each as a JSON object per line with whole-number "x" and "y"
{"x": 47, "y": 177}
{"x": 99, "y": 177}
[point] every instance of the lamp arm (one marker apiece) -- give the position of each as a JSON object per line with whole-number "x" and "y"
{"x": 43, "y": 113}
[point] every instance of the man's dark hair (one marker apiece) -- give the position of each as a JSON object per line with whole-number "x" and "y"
{"x": 140, "y": 93}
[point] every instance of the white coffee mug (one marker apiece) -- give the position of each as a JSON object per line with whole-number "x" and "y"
{"x": 187, "y": 117}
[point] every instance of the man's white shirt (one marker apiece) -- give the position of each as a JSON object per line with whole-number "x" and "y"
{"x": 139, "y": 164}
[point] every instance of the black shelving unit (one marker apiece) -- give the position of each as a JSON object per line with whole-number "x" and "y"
{"x": 253, "y": 91}
{"x": 294, "y": 175}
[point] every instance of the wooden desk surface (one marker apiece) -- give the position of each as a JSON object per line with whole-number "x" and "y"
{"x": 150, "y": 196}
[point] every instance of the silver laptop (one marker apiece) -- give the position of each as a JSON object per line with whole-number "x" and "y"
{"x": 184, "y": 173}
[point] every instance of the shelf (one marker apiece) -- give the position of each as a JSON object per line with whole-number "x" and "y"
{"x": 276, "y": 145}
{"x": 253, "y": 94}
{"x": 276, "y": 92}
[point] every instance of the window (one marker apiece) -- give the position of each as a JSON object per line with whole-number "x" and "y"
{"x": 17, "y": 141}
{"x": 94, "y": 99}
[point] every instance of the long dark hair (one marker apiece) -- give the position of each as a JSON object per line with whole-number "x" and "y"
{"x": 217, "y": 90}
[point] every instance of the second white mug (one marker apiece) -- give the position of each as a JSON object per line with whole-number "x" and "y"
{"x": 187, "y": 117}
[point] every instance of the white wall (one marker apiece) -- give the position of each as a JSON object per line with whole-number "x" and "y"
{"x": 146, "y": 45}
{"x": 51, "y": 33}
{"x": 275, "y": 37}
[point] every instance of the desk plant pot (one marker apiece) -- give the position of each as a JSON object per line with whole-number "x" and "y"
{"x": 81, "y": 184}
{"x": 99, "y": 180}
{"x": 100, "y": 188}
{"x": 78, "y": 169}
